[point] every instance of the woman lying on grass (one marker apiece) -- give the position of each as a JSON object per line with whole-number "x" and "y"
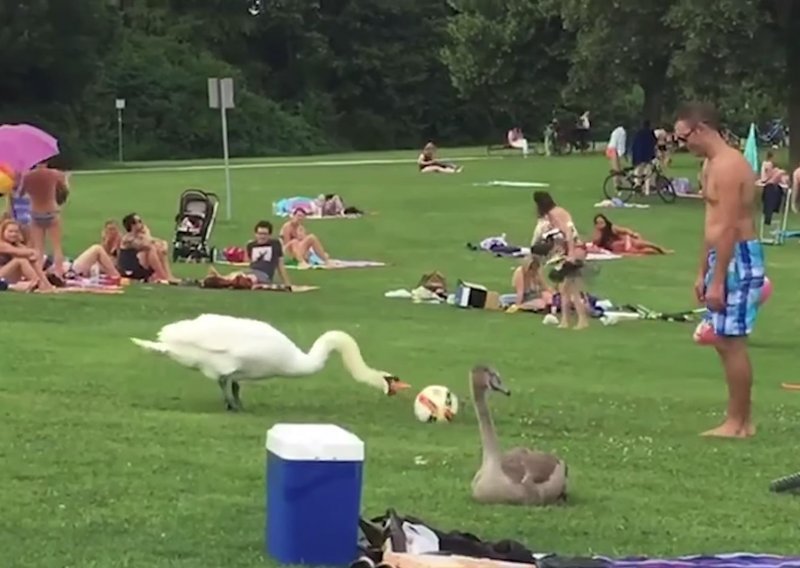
{"x": 531, "y": 291}
{"x": 621, "y": 240}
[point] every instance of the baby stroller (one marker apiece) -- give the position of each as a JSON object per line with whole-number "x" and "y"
{"x": 197, "y": 211}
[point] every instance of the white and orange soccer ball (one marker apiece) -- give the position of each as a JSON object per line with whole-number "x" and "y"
{"x": 436, "y": 403}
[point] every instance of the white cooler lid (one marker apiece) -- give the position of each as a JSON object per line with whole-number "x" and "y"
{"x": 324, "y": 442}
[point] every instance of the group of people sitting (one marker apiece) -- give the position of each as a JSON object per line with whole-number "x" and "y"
{"x": 131, "y": 252}
{"x": 564, "y": 287}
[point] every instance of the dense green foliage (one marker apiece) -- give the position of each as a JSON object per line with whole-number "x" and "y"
{"x": 319, "y": 75}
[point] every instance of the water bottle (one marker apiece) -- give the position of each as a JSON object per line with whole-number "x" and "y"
{"x": 94, "y": 274}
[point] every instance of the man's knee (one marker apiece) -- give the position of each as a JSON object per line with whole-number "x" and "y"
{"x": 728, "y": 344}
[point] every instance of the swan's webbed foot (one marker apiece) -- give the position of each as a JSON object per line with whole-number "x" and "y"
{"x": 230, "y": 401}
{"x": 235, "y": 391}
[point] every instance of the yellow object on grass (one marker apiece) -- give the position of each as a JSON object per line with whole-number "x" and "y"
{"x": 7, "y": 180}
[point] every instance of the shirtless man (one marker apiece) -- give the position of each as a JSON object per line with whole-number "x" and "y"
{"x": 299, "y": 244}
{"x": 795, "y": 189}
{"x": 47, "y": 189}
{"x": 731, "y": 271}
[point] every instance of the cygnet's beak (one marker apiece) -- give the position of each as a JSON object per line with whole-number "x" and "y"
{"x": 395, "y": 385}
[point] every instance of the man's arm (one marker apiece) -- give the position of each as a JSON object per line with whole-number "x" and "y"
{"x": 283, "y": 274}
{"x": 138, "y": 243}
{"x": 728, "y": 188}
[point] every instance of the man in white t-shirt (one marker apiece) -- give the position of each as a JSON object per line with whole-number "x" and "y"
{"x": 616, "y": 147}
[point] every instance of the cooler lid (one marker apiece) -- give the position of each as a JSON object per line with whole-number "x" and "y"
{"x": 324, "y": 442}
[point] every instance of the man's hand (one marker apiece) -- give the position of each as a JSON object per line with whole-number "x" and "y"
{"x": 699, "y": 289}
{"x": 715, "y": 296}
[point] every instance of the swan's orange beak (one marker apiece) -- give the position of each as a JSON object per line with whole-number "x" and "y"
{"x": 395, "y": 385}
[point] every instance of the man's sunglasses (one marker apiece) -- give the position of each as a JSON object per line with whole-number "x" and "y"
{"x": 683, "y": 139}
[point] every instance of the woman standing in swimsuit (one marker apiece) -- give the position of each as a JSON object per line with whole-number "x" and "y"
{"x": 557, "y": 222}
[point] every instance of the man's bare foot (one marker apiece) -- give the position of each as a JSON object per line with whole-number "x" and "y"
{"x": 302, "y": 265}
{"x": 726, "y": 430}
{"x": 582, "y": 325}
{"x": 564, "y": 324}
{"x": 749, "y": 430}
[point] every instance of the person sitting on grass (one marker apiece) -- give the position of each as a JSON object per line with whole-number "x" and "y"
{"x": 299, "y": 244}
{"x": 531, "y": 291}
{"x": 621, "y": 240}
{"x": 20, "y": 265}
{"x": 140, "y": 256}
{"x": 428, "y": 163}
{"x": 110, "y": 238}
{"x": 95, "y": 254}
{"x": 265, "y": 255}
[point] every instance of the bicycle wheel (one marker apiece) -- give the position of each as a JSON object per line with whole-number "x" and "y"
{"x": 664, "y": 188}
{"x": 618, "y": 186}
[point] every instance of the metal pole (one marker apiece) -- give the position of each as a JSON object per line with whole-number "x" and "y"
{"x": 228, "y": 210}
{"x": 119, "y": 134}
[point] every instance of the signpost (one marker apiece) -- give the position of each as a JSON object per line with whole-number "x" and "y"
{"x": 120, "y": 105}
{"x": 220, "y": 95}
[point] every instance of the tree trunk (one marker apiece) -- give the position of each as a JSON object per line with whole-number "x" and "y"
{"x": 653, "y": 103}
{"x": 791, "y": 31}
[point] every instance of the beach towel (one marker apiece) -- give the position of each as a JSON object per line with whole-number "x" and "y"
{"x": 337, "y": 264}
{"x": 596, "y": 255}
{"x": 286, "y": 206}
{"x": 738, "y": 560}
{"x": 513, "y": 184}
{"x": 84, "y": 285}
{"x": 618, "y": 204}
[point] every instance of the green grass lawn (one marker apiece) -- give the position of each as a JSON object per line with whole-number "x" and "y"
{"x": 115, "y": 457}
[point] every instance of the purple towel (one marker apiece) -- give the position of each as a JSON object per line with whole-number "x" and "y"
{"x": 740, "y": 560}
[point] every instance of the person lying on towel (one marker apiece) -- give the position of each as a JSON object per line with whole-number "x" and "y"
{"x": 621, "y": 240}
{"x": 531, "y": 291}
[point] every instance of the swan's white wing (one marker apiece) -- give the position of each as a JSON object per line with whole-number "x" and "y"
{"x": 248, "y": 346}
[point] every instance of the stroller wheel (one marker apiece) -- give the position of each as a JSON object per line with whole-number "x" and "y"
{"x": 212, "y": 254}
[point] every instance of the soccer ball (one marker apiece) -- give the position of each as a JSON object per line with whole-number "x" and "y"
{"x": 435, "y": 403}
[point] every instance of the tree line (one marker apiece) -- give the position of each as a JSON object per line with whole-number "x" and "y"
{"x": 317, "y": 76}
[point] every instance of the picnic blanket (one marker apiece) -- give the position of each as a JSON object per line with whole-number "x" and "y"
{"x": 499, "y": 246}
{"x": 737, "y": 560}
{"x": 619, "y": 204}
{"x": 512, "y": 184}
{"x": 85, "y": 285}
{"x": 336, "y": 264}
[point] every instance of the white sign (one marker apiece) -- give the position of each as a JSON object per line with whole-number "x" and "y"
{"x": 220, "y": 90}
{"x": 120, "y": 104}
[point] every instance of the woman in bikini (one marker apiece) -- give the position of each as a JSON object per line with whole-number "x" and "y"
{"x": 621, "y": 240}
{"x": 556, "y": 231}
{"x": 20, "y": 265}
{"x": 531, "y": 291}
{"x": 428, "y": 163}
{"x": 299, "y": 244}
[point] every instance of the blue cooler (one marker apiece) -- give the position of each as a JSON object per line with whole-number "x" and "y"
{"x": 314, "y": 474}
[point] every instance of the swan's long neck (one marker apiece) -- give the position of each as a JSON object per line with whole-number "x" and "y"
{"x": 347, "y": 347}
{"x": 489, "y": 441}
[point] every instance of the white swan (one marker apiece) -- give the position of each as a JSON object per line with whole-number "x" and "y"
{"x": 229, "y": 350}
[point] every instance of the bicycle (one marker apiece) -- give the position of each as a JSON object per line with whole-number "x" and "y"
{"x": 625, "y": 183}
